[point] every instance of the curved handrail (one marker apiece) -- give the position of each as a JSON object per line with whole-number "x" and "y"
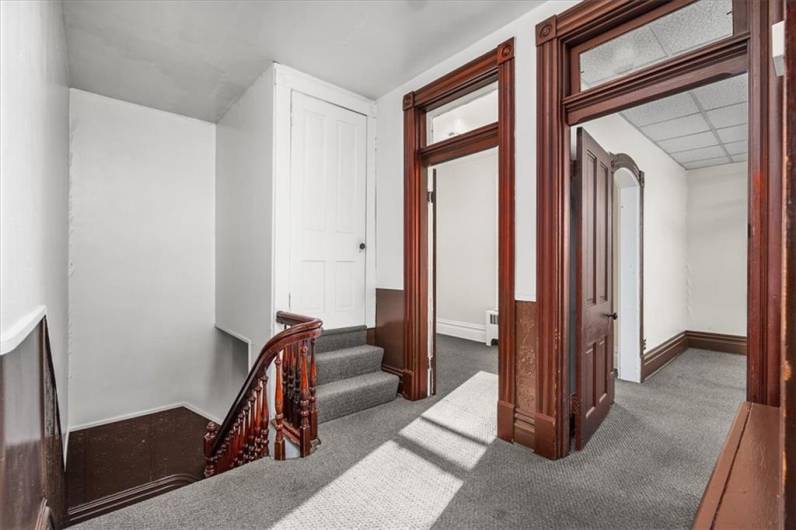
{"x": 302, "y": 328}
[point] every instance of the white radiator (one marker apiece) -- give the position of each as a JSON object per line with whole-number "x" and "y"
{"x": 491, "y": 324}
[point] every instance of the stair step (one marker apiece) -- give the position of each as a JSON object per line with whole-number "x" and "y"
{"x": 336, "y": 339}
{"x": 347, "y": 396}
{"x": 348, "y": 362}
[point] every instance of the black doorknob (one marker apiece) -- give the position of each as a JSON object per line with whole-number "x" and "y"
{"x": 613, "y": 315}
{"x": 362, "y": 246}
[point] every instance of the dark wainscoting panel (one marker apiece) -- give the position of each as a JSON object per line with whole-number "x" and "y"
{"x": 658, "y": 357}
{"x": 716, "y": 342}
{"x": 525, "y": 373}
{"x": 32, "y": 487}
{"x": 120, "y": 463}
{"x": 389, "y": 332}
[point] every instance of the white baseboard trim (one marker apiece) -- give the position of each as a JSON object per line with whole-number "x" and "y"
{"x": 137, "y": 414}
{"x": 463, "y": 330}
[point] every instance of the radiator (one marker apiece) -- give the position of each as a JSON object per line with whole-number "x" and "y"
{"x": 491, "y": 325}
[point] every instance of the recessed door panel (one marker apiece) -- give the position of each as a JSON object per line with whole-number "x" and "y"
{"x": 593, "y": 214}
{"x": 328, "y": 216}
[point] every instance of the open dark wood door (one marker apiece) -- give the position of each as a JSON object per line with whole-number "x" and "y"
{"x": 592, "y": 188}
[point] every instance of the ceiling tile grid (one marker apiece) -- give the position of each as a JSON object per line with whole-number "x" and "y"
{"x": 705, "y": 126}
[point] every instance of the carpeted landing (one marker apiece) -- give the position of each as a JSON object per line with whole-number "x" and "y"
{"x": 436, "y": 463}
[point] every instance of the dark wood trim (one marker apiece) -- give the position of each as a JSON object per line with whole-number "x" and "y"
{"x": 32, "y": 478}
{"x": 788, "y": 377}
{"x": 657, "y": 10}
{"x": 663, "y": 354}
{"x": 721, "y": 342}
{"x": 711, "y": 499}
{"x": 742, "y": 491}
{"x": 471, "y": 142}
{"x": 716, "y": 61}
{"x": 660, "y": 356}
{"x": 496, "y": 65}
{"x": 110, "y": 503}
{"x": 557, "y": 111}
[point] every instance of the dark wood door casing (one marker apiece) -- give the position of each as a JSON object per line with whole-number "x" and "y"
{"x": 748, "y": 49}
{"x": 494, "y": 66}
{"x": 594, "y": 329}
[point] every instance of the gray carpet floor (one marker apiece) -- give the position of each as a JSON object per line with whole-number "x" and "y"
{"x": 436, "y": 463}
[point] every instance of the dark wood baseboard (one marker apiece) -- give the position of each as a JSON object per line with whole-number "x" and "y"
{"x": 660, "y": 356}
{"x": 116, "y": 501}
{"x": 705, "y": 340}
{"x": 395, "y": 371}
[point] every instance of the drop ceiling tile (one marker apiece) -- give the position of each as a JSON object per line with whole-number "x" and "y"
{"x": 702, "y": 153}
{"x": 733, "y": 134}
{"x": 695, "y": 25}
{"x": 692, "y": 124}
{"x": 727, "y": 92}
{"x": 692, "y": 141}
{"x": 735, "y": 148}
{"x": 739, "y": 157}
{"x": 707, "y": 163}
{"x": 661, "y": 110}
{"x": 631, "y": 51}
{"x": 727, "y": 116}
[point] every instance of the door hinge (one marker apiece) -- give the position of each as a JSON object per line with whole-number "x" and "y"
{"x": 574, "y": 405}
{"x": 431, "y": 196}
{"x": 290, "y": 300}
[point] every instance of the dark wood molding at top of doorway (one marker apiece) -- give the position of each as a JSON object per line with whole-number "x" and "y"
{"x": 748, "y": 49}
{"x": 496, "y": 65}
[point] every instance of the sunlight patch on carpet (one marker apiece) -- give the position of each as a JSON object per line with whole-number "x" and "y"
{"x": 409, "y": 481}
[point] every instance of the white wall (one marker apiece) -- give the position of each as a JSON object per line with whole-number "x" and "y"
{"x": 142, "y": 254}
{"x": 466, "y": 202}
{"x": 34, "y": 158}
{"x": 665, "y": 242}
{"x": 717, "y": 220}
{"x": 389, "y": 162}
{"x": 244, "y": 204}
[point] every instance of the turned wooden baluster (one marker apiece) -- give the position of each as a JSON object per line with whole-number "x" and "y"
{"x": 291, "y": 381}
{"x": 279, "y": 439}
{"x": 210, "y": 437}
{"x": 304, "y": 403}
{"x": 313, "y": 393}
{"x": 296, "y": 412}
{"x": 261, "y": 418}
{"x": 251, "y": 431}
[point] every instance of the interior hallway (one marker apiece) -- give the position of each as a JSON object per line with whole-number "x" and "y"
{"x": 646, "y": 467}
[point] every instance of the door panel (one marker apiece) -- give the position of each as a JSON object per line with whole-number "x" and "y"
{"x": 593, "y": 216}
{"x": 328, "y": 199}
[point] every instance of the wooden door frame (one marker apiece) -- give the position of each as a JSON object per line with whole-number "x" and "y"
{"x": 496, "y": 65}
{"x": 625, "y": 161}
{"x": 747, "y": 50}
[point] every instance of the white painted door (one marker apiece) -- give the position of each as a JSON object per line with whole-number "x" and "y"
{"x": 328, "y": 212}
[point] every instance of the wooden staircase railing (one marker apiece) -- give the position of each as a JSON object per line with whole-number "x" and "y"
{"x": 244, "y": 435}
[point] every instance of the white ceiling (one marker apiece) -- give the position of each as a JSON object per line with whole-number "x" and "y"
{"x": 706, "y": 126}
{"x": 197, "y": 57}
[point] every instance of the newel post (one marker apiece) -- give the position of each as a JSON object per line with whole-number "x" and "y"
{"x": 209, "y": 439}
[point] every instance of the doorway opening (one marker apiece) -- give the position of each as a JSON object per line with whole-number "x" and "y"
{"x": 671, "y": 238}
{"x": 463, "y": 241}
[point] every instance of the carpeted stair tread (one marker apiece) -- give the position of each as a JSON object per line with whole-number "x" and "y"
{"x": 347, "y": 396}
{"x": 348, "y": 362}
